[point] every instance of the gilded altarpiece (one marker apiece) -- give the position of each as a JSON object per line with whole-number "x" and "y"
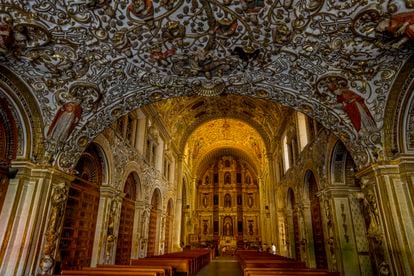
{"x": 227, "y": 204}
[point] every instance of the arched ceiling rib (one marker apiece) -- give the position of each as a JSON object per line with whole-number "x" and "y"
{"x": 112, "y": 57}
{"x": 182, "y": 116}
{"x": 211, "y": 156}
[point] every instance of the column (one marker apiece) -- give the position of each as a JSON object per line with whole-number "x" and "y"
{"x": 387, "y": 203}
{"x": 107, "y": 225}
{"x": 32, "y": 219}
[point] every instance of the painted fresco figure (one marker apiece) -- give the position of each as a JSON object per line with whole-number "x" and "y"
{"x": 399, "y": 25}
{"x": 64, "y": 122}
{"x": 354, "y": 106}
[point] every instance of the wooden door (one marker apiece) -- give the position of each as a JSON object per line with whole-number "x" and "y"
{"x": 78, "y": 231}
{"x": 126, "y": 224}
{"x": 124, "y": 244}
{"x": 318, "y": 238}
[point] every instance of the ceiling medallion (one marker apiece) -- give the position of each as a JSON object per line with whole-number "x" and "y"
{"x": 208, "y": 89}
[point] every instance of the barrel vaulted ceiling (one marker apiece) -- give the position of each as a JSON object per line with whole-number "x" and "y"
{"x": 113, "y": 56}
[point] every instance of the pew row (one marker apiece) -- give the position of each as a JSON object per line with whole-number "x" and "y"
{"x": 185, "y": 262}
{"x": 263, "y": 264}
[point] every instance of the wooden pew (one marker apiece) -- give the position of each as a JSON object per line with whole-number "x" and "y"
{"x": 179, "y": 264}
{"x": 263, "y": 264}
{"x": 166, "y": 270}
{"x": 188, "y": 262}
{"x": 97, "y": 272}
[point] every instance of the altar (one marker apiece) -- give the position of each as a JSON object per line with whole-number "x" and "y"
{"x": 228, "y": 241}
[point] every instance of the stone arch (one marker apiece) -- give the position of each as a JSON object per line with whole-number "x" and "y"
{"x": 8, "y": 147}
{"x": 361, "y": 151}
{"x": 27, "y": 115}
{"x": 134, "y": 169}
{"x": 398, "y": 103}
{"x": 106, "y": 157}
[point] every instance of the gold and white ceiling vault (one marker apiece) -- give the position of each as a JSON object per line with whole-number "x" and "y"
{"x": 105, "y": 58}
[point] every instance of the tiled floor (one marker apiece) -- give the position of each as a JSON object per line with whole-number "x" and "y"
{"x": 222, "y": 266}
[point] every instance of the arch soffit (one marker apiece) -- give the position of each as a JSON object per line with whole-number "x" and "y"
{"x": 362, "y": 153}
{"x": 289, "y": 203}
{"x": 396, "y": 106}
{"x": 104, "y": 147}
{"x": 308, "y": 171}
{"x": 156, "y": 191}
{"x": 200, "y": 167}
{"x": 27, "y": 112}
{"x": 170, "y": 206}
{"x": 134, "y": 169}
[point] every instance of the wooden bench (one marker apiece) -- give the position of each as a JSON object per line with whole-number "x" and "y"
{"x": 166, "y": 270}
{"x": 179, "y": 264}
{"x": 263, "y": 264}
{"x": 188, "y": 262}
{"x": 97, "y": 272}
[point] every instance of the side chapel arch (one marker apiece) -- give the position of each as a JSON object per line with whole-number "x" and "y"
{"x": 126, "y": 224}
{"x": 77, "y": 238}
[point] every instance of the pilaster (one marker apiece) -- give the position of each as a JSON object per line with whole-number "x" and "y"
{"x": 387, "y": 198}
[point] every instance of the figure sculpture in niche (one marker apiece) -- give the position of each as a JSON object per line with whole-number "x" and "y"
{"x": 228, "y": 229}
{"x": 399, "y": 25}
{"x": 64, "y": 122}
{"x": 227, "y": 179}
{"x": 227, "y": 201}
{"x": 250, "y": 228}
{"x": 354, "y": 106}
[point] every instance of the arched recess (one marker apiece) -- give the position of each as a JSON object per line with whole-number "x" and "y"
{"x": 27, "y": 114}
{"x": 8, "y": 146}
{"x": 168, "y": 226}
{"x": 311, "y": 189}
{"x": 79, "y": 223}
{"x": 126, "y": 224}
{"x": 154, "y": 223}
{"x": 293, "y": 223}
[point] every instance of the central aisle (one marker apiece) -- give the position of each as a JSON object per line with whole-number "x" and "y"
{"x": 227, "y": 265}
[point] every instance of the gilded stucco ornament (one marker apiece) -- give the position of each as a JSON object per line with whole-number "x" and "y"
{"x": 132, "y": 48}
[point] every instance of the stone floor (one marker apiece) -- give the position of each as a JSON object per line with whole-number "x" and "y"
{"x": 222, "y": 266}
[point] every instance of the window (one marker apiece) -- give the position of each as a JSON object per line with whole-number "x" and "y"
{"x": 303, "y": 131}
{"x": 286, "y": 149}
